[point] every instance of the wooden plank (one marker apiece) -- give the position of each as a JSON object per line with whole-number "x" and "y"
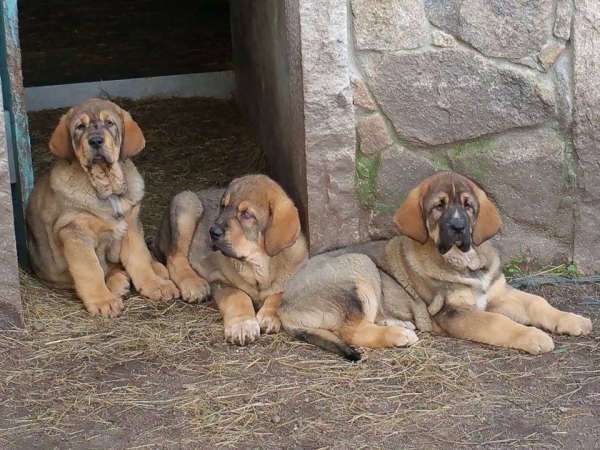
{"x": 13, "y": 100}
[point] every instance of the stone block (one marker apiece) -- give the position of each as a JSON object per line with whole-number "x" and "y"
{"x": 563, "y": 79}
{"x": 372, "y": 134}
{"x": 550, "y": 53}
{"x": 442, "y": 96}
{"x": 500, "y": 28}
{"x": 389, "y": 25}
{"x": 361, "y": 96}
{"x": 441, "y": 39}
{"x": 564, "y": 18}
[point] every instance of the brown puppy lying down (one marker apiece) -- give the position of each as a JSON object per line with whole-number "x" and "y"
{"x": 442, "y": 275}
{"x": 82, "y": 217}
{"x": 242, "y": 245}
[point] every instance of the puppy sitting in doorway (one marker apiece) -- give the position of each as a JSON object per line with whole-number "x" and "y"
{"x": 443, "y": 275}
{"x": 242, "y": 245}
{"x": 82, "y": 217}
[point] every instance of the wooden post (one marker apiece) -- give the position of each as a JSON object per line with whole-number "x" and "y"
{"x": 18, "y": 127}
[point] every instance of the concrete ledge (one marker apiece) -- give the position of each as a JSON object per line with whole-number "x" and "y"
{"x": 213, "y": 85}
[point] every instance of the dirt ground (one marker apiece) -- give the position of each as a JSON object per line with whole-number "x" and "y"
{"x": 73, "y": 42}
{"x": 160, "y": 376}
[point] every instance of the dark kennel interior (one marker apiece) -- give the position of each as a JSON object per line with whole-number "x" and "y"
{"x": 66, "y": 42}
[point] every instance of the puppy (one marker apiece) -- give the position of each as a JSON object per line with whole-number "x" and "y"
{"x": 82, "y": 217}
{"x": 242, "y": 245}
{"x": 443, "y": 275}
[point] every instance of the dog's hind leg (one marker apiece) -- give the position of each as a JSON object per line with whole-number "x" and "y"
{"x": 185, "y": 211}
{"x": 360, "y": 329}
{"x": 366, "y": 334}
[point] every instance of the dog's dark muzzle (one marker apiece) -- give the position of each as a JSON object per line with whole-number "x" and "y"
{"x": 217, "y": 233}
{"x": 455, "y": 230}
{"x": 96, "y": 154}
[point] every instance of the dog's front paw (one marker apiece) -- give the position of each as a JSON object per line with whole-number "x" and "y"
{"x": 534, "y": 341}
{"x": 243, "y": 332}
{"x": 119, "y": 285}
{"x": 402, "y": 337}
{"x": 160, "y": 270}
{"x": 157, "y": 288}
{"x": 194, "y": 289}
{"x": 106, "y": 306}
{"x": 573, "y": 324}
{"x": 268, "y": 321}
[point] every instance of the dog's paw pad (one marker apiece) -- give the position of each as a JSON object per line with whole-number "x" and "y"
{"x": 269, "y": 322}
{"x": 194, "y": 289}
{"x": 159, "y": 289}
{"x": 242, "y": 333}
{"x": 402, "y": 337}
{"x": 109, "y": 306}
{"x": 574, "y": 325}
{"x": 536, "y": 342}
{"x": 120, "y": 288}
{"x": 160, "y": 270}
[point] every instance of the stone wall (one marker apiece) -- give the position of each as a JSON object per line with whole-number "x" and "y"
{"x": 484, "y": 87}
{"x": 267, "y": 86}
{"x": 291, "y": 63}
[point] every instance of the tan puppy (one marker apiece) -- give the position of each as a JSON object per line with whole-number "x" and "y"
{"x": 442, "y": 274}
{"x": 82, "y": 217}
{"x": 243, "y": 244}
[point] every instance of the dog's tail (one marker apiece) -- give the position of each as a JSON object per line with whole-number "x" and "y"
{"x": 326, "y": 340}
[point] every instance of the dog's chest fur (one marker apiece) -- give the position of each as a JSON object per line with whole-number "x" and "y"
{"x": 255, "y": 271}
{"x": 455, "y": 279}
{"x": 107, "y": 217}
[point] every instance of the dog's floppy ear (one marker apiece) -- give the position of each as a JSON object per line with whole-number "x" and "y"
{"x": 488, "y": 221}
{"x": 60, "y": 142}
{"x": 409, "y": 217}
{"x": 283, "y": 227}
{"x": 133, "y": 138}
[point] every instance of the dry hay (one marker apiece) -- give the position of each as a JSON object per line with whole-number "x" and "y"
{"x": 168, "y": 363}
{"x": 160, "y": 376}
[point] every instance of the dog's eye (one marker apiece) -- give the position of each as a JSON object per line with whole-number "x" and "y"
{"x": 245, "y": 215}
{"x": 468, "y": 205}
{"x": 440, "y": 206}
{"x": 80, "y": 127}
{"x": 109, "y": 123}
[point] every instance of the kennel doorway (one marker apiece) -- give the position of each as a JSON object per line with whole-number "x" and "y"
{"x": 58, "y": 53}
{"x": 292, "y": 85}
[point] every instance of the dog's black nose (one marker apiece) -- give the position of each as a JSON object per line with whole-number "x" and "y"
{"x": 457, "y": 224}
{"x": 96, "y": 142}
{"x": 216, "y": 232}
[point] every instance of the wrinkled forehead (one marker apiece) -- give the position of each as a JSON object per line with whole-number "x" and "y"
{"x": 256, "y": 189}
{"x": 95, "y": 109}
{"x": 451, "y": 188}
